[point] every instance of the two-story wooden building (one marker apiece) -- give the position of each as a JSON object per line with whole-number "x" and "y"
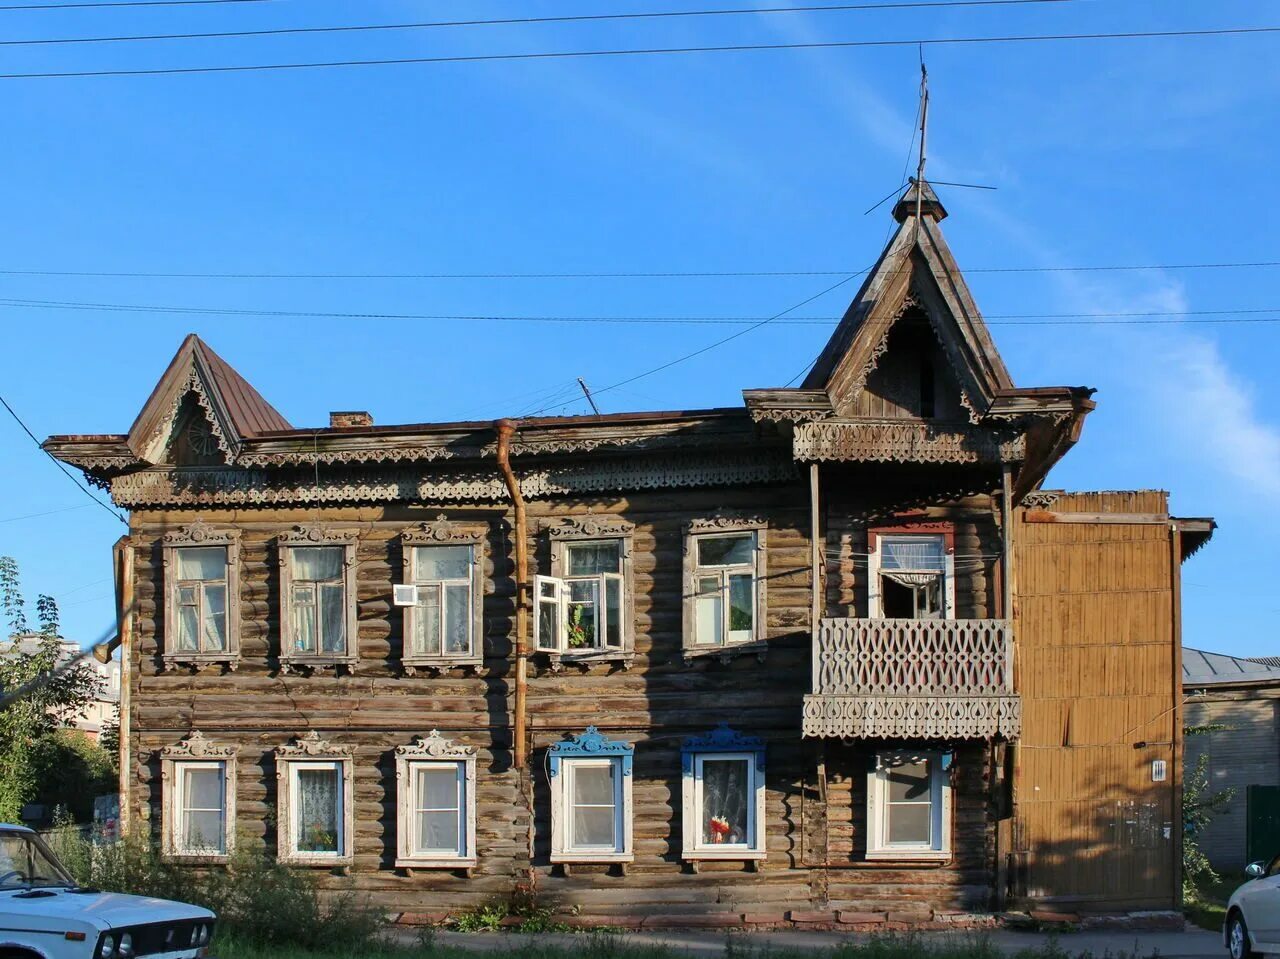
{"x": 829, "y": 651}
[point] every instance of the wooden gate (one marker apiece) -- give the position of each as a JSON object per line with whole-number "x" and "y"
{"x": 1262, "y": 832}
{"x": 1098, "y": 664}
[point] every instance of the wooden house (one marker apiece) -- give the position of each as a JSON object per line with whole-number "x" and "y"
{"x": 830, "y": 654}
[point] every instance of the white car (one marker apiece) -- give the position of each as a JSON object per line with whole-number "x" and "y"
{"x": 45, "y": 915}
{"x": 1253, "y": 912}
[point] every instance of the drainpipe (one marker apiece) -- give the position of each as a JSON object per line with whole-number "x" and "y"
{"x": 506, "y": 429}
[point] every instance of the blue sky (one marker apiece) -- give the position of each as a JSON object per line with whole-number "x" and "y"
{"x": 1155, "y": 151}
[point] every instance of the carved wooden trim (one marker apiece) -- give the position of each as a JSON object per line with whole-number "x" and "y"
{"x": 200, "y": 534}
{"x": 590, "y": 527}
{"x": 904, "y": 442}
{"x": 427, "y": 750}
{"x": 1040, "y": 499}
{"x": 721, "y": 741}
{"x": 196, "y": 749}
{"x": 912, "y": 717}
{"x": 307, "y": 535}
{"x": 443, "y": 532}
{"x": 309, "y": 747}
{"x": 371, "y": 454}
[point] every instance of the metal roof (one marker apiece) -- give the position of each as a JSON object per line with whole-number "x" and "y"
{"x": 1201, "y": 668}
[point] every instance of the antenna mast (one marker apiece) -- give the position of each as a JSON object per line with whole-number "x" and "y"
{"x": 924, "y": 127}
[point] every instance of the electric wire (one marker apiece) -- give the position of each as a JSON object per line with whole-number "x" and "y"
{"x": 119, "y": 3}
{"x": 524, "y": 21}
{"x": 84, "y": 489}
{"x": 638, "y": 52}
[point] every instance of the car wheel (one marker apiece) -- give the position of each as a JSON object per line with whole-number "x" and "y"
{"x": 1238, "y": 938}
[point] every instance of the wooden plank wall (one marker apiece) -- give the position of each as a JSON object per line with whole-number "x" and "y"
{"x": 1095, "y": 667}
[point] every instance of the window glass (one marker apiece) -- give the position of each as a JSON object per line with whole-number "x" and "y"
{"x": 548, "y": 615}
{"x": 593, "y": 804}
{"x": 912, "y": 552}
{"x": 591, "y": 559}
{"x": 726, "y": 799}
{"x": 909, "y": 803}
{"x": 215, "y": 617}
{"x": 457, "y": 633}
{"x": 333, "y": 619}
{"x": 442, "y": 562}
{"x": 726, "y": 550}
{"x": 24, "y": 863}
{"x": 439, "y": 810}
{"x": 741, "y": 607}
{"x": 188, "y": 618}
{"x": 583, "y": 612}
{"x": 317, "y": 807}
{"x": 202, "y": 563}
{"x": 318, "y": 562}
{"x": 202, "y": 809}
{"x": 708, "y": 611}
{"x": 613, "y": 612}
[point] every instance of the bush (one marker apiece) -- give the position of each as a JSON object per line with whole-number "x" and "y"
{"x": 257, "y": 900}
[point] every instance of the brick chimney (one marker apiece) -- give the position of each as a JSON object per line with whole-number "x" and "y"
{"x": 343, "y": 419}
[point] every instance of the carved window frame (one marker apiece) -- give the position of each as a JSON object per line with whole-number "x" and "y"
{"x": 433, "y": 750}
{"x": 319, "y": 536}
{"x": 722, "y": 743}
{"x": 940, "y": 764}
{"x": 715, "y": 526}
{"x": 594, "y": 748}
{"x": 942, "y": 531}
{"x": 200, "y": 535}
{"x": 443, "y": 532}
{"x": 310, "y": 749}
{"x": 198, "y": 751}
{"x": 582, "y": 530}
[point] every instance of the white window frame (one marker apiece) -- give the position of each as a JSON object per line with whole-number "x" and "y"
{"x": 195, "y": 752}
{"x": 434, "y": 751}
{"x": 442, "y": 532}
{"x": 718, "y": 528}
{"x": 874, "y": 557}
{"x": 695, "y": 848}
{"x": 311, "y": 752}
{"x": 939, "y": 848}
{"x": 590, "y": 749}
{"x": 318, "y": 537}
{"x": 200, "y": 535}
{"x": 586, "y": 531}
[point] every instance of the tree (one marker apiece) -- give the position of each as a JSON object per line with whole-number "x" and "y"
{"x": 1200, "y": 803}
{"x": 27, "y": 722}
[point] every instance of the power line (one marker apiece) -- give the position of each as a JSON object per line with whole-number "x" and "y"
{"x": 65, "y": 509}
{"x": 526, "y": 21}
{"x": 642, "y": 51}
{"x": 1232, "y": 315}
{"x": 119, "y": 3}
{"x": 84, "y": 489}
{"x": 660, "y": 274}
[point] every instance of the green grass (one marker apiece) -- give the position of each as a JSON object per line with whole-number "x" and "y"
{"x": 1209, "y": 908}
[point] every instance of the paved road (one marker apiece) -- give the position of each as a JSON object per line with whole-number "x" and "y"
{"x": 1190, "y": 944}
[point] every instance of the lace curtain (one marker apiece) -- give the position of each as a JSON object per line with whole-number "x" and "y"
{"x": 724, "y": 801}
{"x": 317, "y": 806}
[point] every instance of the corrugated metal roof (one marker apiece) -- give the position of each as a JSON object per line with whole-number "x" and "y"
{"x": 1265, "y": 660}
{"x": 1201, "y": 668}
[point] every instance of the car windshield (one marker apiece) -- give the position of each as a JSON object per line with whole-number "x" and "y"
{"x": 25, "y": 863}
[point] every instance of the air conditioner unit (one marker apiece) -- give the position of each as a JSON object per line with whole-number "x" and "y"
{"x": 405, "y": 594}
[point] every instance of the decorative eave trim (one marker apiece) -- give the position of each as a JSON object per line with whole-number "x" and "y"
{"x": 786, "y": 405}
{"x": 434, "y": 746}
{"x": 1040, "y": 499}
{"x": 590, "y": 527}
{"x": 330, "y": 456}
{"x": 881, "y": 346}
{"x": 908, "y": 441}
{"x": 310, "y": 746}
{"x": 591, "y": 743}
{"x": 913, "y": 717}
{"x": 441, "y": 530}
{"x": 197, "y": 747}
{"x": 200, "y": 533}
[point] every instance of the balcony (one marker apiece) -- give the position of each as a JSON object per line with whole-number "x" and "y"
{"x": 915, "y": 678}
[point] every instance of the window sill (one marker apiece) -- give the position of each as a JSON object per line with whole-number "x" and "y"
{"x": 316, "y": 862}
{"x": 558, "y": 661}
{"x": 731, "y": 855}
{"x": 201, "y": 660}
{"x": 439, "y": 664}
{"x": 412, "y": 863}
{"x": 908, "y": 856}
{"x": 757, "y": 648}
{"x": 291, "y": 664}
{"x": 197, "y": 858}
{"x": 592, "y": 857}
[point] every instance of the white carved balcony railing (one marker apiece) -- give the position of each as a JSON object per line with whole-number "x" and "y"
{"x": 923, "y": 678}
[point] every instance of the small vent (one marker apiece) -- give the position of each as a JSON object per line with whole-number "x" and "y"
{"x": 1159, "y": 771}
{"x": 405, "y": 595}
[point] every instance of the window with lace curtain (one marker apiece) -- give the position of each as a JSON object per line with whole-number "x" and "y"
{"x": 317, "y": 589}
{"x": 314, "y": 813}
{"x": 202, "y": 602}
{"x": 723, "y": 791}
{"x": 910, "y": 576}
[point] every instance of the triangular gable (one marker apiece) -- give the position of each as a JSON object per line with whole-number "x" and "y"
{"x": 234, "y": 409}
{"x": 916, "y": 268}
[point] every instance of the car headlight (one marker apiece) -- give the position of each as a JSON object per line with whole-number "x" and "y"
{"x": 204, "y": 935}
{"x": 108, "y": 948}
{"x": 125, "y": 948}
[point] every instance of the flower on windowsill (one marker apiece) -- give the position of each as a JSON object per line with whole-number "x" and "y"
{"x": 719, "y": 828}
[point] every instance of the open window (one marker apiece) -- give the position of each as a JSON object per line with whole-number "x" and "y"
{"x": 724, "y": 584}
{"x": 314, "y": 821}
{"x": 911, "y": 575}
{"x": 198, "y": 802}
{"x": 436, "y": 782}
{"x": 444, "y": 627}
{"x": 590, "y": 777}
{"x": 318, "y": 598}
{"x": 584, "y": 606}
{"x": 202, "y": 608}
{"x": 909, "y": 806}
{"x": 723, "y": 791}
